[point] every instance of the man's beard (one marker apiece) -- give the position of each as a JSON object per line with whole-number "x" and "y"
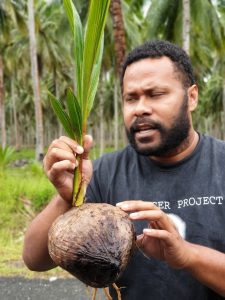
{"x": 171, "y": 138}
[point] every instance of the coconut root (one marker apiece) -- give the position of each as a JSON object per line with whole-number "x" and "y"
{"x": 94, "y": 294}
{"x": 106, "y": 290}
{"x": 117, "y": 291}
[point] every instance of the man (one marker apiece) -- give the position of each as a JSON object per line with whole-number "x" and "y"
{"x": 168, "y": 172}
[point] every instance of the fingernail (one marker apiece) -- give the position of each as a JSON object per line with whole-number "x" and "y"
{"x": 134, "y": 215}
{"x": 122, "y": 205}
{"x": 79, "y": 149}
{"x": 147, "y": 230}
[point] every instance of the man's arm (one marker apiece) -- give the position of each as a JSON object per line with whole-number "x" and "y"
{"x": 163, "y": 241}
{"x": 35, "y": 252}
{"x": 208, "y": 266}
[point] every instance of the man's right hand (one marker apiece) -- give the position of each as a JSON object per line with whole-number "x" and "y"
{"x": 60, "y": 162}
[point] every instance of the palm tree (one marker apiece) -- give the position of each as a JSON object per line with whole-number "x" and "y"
{"x": 3, "y": 30}
{"x": 165, "y": 21}
{"x": 36, "y": 83}
{"x": 9, "y": 18}
{"x": 186, "y": 25}
{"x": 206, "y": 36}
{"x": 120, "y": 50}
{"x": 2, "y": 106}
{"x": 119, "y": 34}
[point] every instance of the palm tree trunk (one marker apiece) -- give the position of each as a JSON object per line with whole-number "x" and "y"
{"x": 36, "y": 84}
{"x": 120, "y": 50}
{"x": 15, "y": 119}
{"x": 186, "y": 26}
{"x": 119, "y": 34}
{"x": 2, "y": 107}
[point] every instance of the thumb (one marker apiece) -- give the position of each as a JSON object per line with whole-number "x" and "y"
{"x": 88, "y": 140}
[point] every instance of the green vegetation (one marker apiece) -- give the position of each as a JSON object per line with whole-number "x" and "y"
{"x": 23, "y": 153}
{"x": 24, "y": 191}
{"x": 88, "y": 51}
{"x": 5, "y": 156}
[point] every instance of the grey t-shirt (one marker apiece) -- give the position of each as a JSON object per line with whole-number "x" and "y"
{"x": 192, "y": 191}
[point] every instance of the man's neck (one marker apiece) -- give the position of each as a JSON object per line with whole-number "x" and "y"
{"x": 184, "y": 150}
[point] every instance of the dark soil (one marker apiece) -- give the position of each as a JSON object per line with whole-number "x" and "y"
{"x": 18, "y": 288}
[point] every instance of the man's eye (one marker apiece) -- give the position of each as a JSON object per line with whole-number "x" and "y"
{"x": 157, "y": 94}
{"x": 130, "y": 99}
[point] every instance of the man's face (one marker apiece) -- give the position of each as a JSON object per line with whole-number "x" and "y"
{"x": 155, "y": 107}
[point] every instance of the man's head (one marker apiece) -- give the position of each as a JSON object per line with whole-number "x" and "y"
{"x": 158, "y": 49}
{"x": 159, "y": 93}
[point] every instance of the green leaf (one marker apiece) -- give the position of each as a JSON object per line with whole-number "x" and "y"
{"x": 94, "y": 79}
{"x": 62, "y": 115}
{"x": 88, "y": 49}
{"x": 158, "y": 12}
{"x": 74, "y": 114}
{"x": 77, "y": 30}
{"x": 93, "y": 35}
{"x": 5, "y": 155}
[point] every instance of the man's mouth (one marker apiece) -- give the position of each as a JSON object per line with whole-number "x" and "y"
{"x": 144, "y": 130}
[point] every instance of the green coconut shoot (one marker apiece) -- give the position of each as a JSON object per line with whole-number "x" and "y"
{"x": 88, "y": 50}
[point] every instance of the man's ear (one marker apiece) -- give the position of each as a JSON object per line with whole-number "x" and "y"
{"x": 192, "y": 97}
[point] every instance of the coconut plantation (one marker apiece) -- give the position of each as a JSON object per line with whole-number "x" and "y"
{"x": 60, "y": 68}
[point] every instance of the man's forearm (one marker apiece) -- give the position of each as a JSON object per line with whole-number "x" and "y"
{"x": 208, "y": 266}
{"x": 35, "y": 252}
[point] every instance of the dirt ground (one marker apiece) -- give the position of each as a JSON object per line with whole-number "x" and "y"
{"x": 18, "y": 288}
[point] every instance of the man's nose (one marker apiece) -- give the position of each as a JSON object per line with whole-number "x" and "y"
{"x": 143, "y": 106}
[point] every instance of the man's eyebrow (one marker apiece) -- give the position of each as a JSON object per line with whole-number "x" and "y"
{"x": 149, "y": 89}
{"x": 129, "y": 94}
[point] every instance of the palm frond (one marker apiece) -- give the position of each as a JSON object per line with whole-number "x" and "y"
{"x": 74, "y": 114}
{"x": 62, "y": 115}
{"x": 88, "y": 50}
{"x": 92, "y": 41}
{"x": 77, "y": 31}
{"x": 94, "y": 80}
{"x": 157, "y": 16}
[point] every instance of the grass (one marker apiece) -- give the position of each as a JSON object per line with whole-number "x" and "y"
{"x": 25, "y": 153}
{"x": 11, "y": 263}
{"x": 24, "y": 191}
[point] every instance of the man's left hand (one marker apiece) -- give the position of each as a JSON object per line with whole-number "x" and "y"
{"x": 161, "y": 239}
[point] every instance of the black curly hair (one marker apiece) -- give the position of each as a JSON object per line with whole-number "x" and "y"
{"x": 160, "y": 48}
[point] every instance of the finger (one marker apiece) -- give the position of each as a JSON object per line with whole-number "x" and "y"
{"x": 57, "y": 154}
{"x": 66, "y": 143}
{"x": 141, "y": 241}
{"x": 72, "y": 144}
{"x": 153, "y": 225}
{"x": 147, "y": 211}
{"x": 162, "y": 221}
{"x": 88, "y": 140}
{"x": 137, "y": 205}
{"x": 56, "y": 173}
{"x": 62, "y": 143}
{"x": 164, "y": 235}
